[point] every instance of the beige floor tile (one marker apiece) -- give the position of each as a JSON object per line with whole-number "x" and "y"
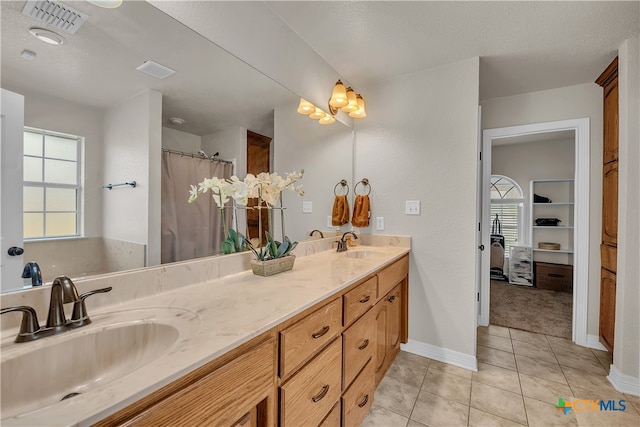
{"x": 604, "y": 357}
{"x": 493, "y": 341}
{"x": 407, "y": 372}
{"x": 499, "y": 331}
{"x": 530, "y": 337}
{"x": 581, "y": 379}
{"x": 540, "y": 368}
{"x": 498, "y": 402}
{"x": 534, "y": 351}
{"x": 544, "y": 390}
{"x": 396, "y": 396}
{"x": 496, "y": 376}
{"x": 449, "y": 369}
{"x": 383, "y": 417}
{"x": 434, "y": 411}
{"x": 542, "y": 414}
{"x": 585, "y": 361}
{"x": 448, "y": 385}
{"x": 635, "y": 401}
{"x": 619, "y": 418}
{"x": 405, "y": 356}
{"x": 478, "y": 418}
{"x": 565, "y": 345}
{"x": 413, "y": 423}
{"x": 496, "y": 357}
{"x": 588, "y": 394}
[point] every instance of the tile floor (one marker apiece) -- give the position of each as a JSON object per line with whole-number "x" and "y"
{"x": 520, "y": 377}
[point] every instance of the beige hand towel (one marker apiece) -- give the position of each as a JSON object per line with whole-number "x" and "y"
{"x": 361, "y": 211}
{"x": 340, "y": 212}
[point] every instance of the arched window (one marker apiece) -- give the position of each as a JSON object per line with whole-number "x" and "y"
{"x": 507, "y": 201}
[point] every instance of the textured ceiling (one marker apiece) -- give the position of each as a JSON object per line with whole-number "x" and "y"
{"x": 523, "y": 46}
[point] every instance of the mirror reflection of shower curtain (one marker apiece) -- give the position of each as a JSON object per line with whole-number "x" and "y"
{"x": 190, "y": 230}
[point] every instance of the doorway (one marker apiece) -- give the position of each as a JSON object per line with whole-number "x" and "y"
{"x": 258, "y": 160}
{"x": 580, "y": 219}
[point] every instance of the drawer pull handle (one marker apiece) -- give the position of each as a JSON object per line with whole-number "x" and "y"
{"x": 321, "y": 395}
{"x": 556, "y": 275}
{"x": 392, "y": 298}
{"x": 365, "y": 299}
{"x": 364, "y": 401}
{"x": 364, "y": 345}
{"x": 317, "y": 335}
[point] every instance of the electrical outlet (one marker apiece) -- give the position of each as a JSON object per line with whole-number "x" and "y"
{"x": 307, "y": 207}
{"x": 379, "y": 223}
{"x": 329, "y": 225}
{"x": 412, "y": 207}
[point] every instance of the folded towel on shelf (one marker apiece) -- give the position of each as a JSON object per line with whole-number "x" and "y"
{"x": 361, "y": 207}
{"x": 340, "y": 212}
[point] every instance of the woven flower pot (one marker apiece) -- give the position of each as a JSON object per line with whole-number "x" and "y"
{"x": 272, "y": 266}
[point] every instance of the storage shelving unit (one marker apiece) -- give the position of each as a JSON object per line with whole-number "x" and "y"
{"x": 562, "y": 193}
{"x": 520, "y": 265}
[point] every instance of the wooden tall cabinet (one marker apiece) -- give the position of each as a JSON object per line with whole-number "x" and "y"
{"x": 608, "y": 249}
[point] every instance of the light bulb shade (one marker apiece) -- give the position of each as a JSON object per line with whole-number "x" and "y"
{"x": 353, "y": 102}
{"x": 327, "y": 120}
{"x": 317, "y": 114}
{"x": 360, "y": 113}
{"x": 339, "y": 96}
{"x": 305, "y": 107}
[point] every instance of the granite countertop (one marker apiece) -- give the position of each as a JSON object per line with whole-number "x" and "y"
{"x": 213, "y": 318}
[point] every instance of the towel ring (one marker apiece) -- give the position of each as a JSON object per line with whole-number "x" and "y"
{"x": 342, "y": 182}
{"x": 364, "y": 182}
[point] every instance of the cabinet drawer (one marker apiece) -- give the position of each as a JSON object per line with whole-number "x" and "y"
{"x": 222, "y": 397}
{"x": 357, "y": 400}
{"x": 390, "y": 276}
{"x": 304, "y": 338}
{"x": 310, "y": 394}
{"x": 358, "y": 346}
{"x": 333, "y": 419}
{"x": 359, "y": 300}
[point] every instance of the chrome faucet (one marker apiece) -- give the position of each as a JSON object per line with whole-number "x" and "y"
{"x": 63, "y": 291}
{"x": 313, "y": 231}
{"x": 32, "y": 270}
{"x": 342, "y": 244}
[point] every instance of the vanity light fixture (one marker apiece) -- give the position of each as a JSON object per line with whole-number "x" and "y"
{"x": 305, "y": 107}
{"x": 339, "y": 96}
{"x": 46, "y": 36}
{"x": 317, "y": 114}
{"x": 346, "y": 100}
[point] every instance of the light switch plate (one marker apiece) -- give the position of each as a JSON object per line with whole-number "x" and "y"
{"x": 379, "y": 223}
{"x": 412, "y": 207}
{"x": 329, "y": 225}
{"x": 307, "y": 207}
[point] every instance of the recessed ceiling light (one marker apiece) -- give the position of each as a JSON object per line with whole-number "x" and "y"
{"x": 46, "y": 36}
{"x": 107, "y": 4}
{"x": 176, "y": 121}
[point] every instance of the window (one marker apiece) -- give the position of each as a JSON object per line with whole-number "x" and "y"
{"x": 51, "y": 185}
{"x": 507, "y": 202}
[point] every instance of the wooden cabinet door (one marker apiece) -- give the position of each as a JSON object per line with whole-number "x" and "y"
{"x": 607, "y": 308}
{"x": 381, "y": 340}
{"x": 610, "y": 124}
{"x": 394, "y": 321}
{"x": 610, "y": 204}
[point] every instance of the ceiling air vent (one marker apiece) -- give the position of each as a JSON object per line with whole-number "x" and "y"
{"x": 55, "y": 14}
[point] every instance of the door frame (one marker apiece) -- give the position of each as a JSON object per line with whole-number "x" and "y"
{"x": 581, "y": 215}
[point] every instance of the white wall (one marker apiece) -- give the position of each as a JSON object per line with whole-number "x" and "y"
{"x": 132, "y": 151}
{"x": 325, "y": 154}
{"x": 627, "y": 341}
{"x": 59, "y": 115}
{"x": 561, "y": 104}
{"x": 429, "y": 154}
{"x": 180, "y": 141}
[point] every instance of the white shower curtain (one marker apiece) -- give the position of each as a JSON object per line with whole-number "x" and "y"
{"x": 190, "y": 230}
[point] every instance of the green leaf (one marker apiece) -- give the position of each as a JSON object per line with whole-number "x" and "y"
{"x": 291, "y": 247}
{"x": 227, "y": 247}
{"x": 283, "y": 248}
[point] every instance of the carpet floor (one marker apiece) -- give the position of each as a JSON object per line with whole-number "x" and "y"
{"x": 531, "y": 309}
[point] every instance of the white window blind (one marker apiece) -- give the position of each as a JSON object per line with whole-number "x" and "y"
{"x": 508, "y": 214}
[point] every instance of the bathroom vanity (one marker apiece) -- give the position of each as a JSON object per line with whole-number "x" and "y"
{"x": 305, "y": 347}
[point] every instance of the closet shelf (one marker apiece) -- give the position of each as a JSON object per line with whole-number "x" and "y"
{"x": 552, "y": 227}
{"x": 554, "y": 204}
{"x": 559, "y": 251}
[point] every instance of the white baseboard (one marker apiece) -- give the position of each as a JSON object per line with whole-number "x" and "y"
{"x": 593, "y": 341}
{"x": 441, "y": 354}
{"x": 624, "y": 383}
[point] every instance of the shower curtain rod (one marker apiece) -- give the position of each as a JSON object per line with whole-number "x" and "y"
{"x": 195, "y": 156}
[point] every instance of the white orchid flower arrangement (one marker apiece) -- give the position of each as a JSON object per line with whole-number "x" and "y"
{"x": 266, "y": 187}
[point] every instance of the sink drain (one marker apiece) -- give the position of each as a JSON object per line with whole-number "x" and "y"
{"x": 69, "y": 396}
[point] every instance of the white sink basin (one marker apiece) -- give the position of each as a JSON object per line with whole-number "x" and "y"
{"x": 41, "y": 373}
{"x": 362, "y": 253}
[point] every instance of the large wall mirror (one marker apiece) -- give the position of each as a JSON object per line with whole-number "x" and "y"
{"x": 89, "y": 87}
